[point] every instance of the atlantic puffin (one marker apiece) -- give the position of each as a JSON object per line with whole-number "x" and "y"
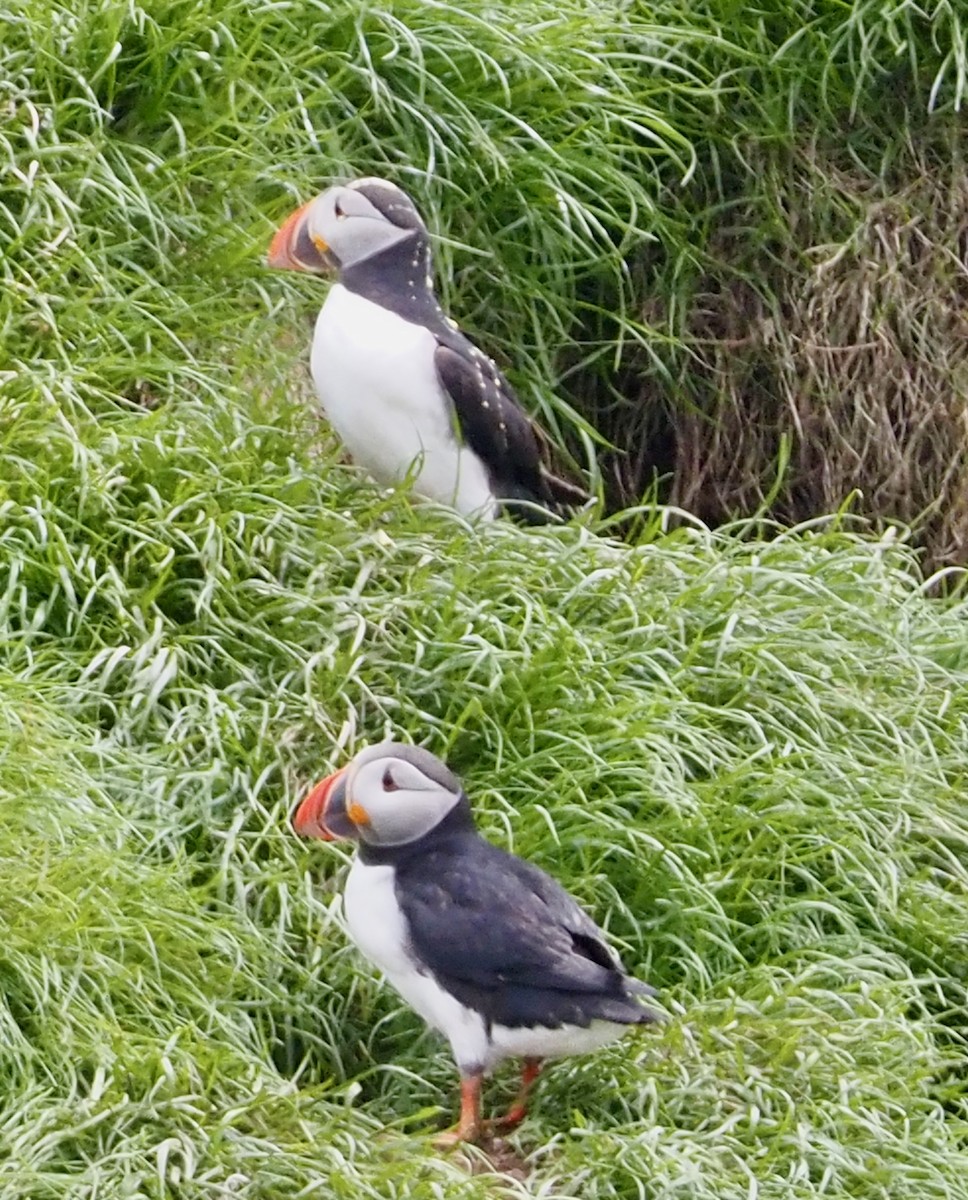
{"x": 489, "y": 950}
{"x": 409, "y": 395}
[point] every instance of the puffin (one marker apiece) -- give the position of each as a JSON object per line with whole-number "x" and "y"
{"x": 487, "y": 948}
{"x": 410, "y": 396}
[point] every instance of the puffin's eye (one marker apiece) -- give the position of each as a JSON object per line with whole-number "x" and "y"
{"x": 389, "y": 783}
{"x": 338, "y": 210}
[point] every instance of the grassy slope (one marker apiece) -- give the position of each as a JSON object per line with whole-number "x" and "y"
{"x": 746, "y": 758}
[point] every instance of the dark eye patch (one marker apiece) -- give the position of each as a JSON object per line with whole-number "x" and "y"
{"x": 389, "y": 783}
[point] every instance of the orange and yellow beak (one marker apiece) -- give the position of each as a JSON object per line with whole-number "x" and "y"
{"x": 323, "y": 814}
{"x": 295, "y": 249}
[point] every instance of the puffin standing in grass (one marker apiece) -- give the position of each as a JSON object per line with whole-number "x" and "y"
{"x": 487, "y": 948}
{"x": 409, "y": 395}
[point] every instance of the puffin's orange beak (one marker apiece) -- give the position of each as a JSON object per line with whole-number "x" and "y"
{"x": 293, "y": 249}
{"x": 323, "y": 813}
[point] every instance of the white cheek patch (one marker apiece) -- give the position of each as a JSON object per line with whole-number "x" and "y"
{"x": 404, "y": 815}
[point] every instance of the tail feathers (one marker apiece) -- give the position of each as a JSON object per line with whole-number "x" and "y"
{"x": 562, "y": 491}
{"x": 554, "y": 498}
{"x": 551, "y": 1008}
{"x": 625, "y": 1012}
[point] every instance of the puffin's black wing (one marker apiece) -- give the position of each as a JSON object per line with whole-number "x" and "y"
{"x": 581, "y": 928}
{"x": 507, "y": 940}
{"x": 494, "y": 425}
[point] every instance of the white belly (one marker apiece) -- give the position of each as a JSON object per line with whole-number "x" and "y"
{"x": 379, "y": 929}
{"x": 522, "y": 1042}
{"x": 375, "y": 377}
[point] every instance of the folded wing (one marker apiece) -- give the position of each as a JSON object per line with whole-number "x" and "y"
{"x": 507, "y": 940}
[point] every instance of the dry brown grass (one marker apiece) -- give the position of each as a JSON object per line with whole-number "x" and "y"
{"x": 826, "y": 360}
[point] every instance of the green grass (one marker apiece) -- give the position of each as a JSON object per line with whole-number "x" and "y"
{"x": 746, "y": 757}
{"x": 743, "y": 750}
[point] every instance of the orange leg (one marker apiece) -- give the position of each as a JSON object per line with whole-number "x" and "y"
{"x": 530, "y": 1070}
{"x": 470, "y": 1126}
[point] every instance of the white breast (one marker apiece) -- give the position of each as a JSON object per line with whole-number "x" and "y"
{"x": 379, "y": 929}
{"x": 375, "y": 377}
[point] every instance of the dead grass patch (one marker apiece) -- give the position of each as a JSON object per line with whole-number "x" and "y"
{"x": 826, "y": 359}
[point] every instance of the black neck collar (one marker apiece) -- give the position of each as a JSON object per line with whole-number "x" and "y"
{"x": 398, "y": 279}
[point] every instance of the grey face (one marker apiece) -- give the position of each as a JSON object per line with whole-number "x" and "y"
{"x": 396, "y": 794}
{"x": 353, "y": 223}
